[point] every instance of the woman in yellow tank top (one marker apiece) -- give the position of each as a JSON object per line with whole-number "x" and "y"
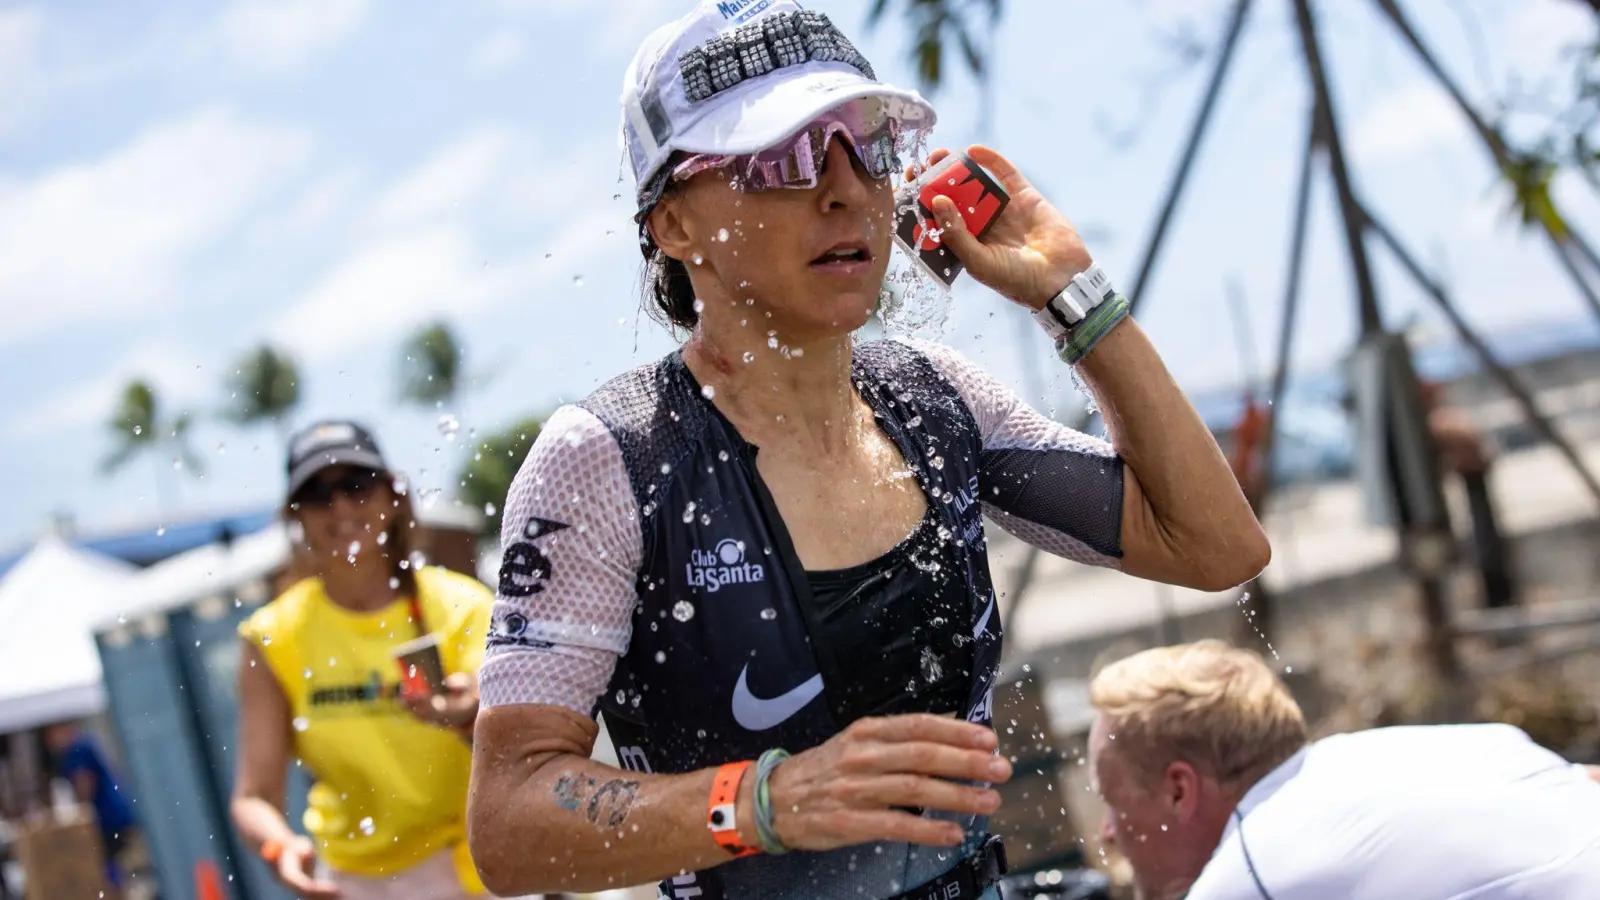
{"x": 319, "y": 683}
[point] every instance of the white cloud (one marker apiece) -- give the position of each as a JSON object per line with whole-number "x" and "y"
{"x": 108, "y": 238}
{"x": 21, "y": 31}
{"x": 496, "y": 52}
{"x": 384, "y": 289}
{"x": 394, "y": 283}
{"x": 167, "y": 367}
{"x": 457, "y": 175}
{"x": 280, "y": 35}
{"x": 1405, "y": 122}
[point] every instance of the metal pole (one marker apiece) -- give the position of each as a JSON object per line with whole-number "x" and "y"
{"x": 1495, "y": 143}
{"x": 1197, "y": 131}
{"x": 1350, "y": 212}
{"x": 1414, "y": 543}
{"x": 1152, "y": 250}
{"x": 1507, "y": 379}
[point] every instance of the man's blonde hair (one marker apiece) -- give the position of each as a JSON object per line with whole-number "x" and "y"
{"x": 1220, "y": 709}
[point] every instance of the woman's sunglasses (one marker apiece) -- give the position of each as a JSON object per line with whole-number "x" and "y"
{"x": 797, "y": 163}
{"x": 357, "y": 484}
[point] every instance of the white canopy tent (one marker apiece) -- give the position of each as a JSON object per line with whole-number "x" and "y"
{"x": 243, "y": 564}
{"x": 49, "y": 604}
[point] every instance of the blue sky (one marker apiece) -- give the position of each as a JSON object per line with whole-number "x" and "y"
{"x": 181, "y": 181}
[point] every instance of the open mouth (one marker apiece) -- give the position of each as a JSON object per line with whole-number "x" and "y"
{"x": 844, "y": 256}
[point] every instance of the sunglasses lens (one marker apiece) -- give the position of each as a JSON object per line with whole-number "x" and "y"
{"x": 319, "y": 494}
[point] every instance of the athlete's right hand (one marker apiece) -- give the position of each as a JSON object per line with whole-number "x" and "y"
{"x": 297, "y": 867}
{"x": 854, "y": 788}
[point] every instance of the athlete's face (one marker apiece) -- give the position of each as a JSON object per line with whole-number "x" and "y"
{"x": 343, "y": 506}
{"x": 807, "y": 264}
{"x": 1157, "y": 826}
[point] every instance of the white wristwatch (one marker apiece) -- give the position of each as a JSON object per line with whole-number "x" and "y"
{"x": 1086, "y": 290}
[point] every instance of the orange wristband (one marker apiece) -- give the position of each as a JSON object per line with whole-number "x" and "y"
{"x": 271, "y": 852}
{"x": 720, "y": 809}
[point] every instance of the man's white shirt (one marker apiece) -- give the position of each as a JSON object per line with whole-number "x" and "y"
{"x": 1420, "y": 813}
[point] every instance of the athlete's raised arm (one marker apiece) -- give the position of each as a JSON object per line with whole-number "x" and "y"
{"x": 1180, "y": 515}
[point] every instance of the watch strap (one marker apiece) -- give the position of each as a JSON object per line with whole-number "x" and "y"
{"x": 1086, "y": 291}
{"x": 721, "y": 805}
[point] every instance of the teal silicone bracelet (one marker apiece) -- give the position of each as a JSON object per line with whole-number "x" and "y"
{"x": 766, "y": 835}
{"x": 1086, "y": 334}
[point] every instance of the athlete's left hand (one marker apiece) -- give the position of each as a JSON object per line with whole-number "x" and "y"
{"x": 455, "y": 708}
{"x": 1031, "y": 250}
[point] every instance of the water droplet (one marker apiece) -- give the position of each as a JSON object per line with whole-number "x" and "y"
{"x": 769, "y": 614}
{"x": 772, "y": 343}
{"x": 306, "y": 674}
{"x": 367, "y": 827}
{"x": 688, "y": 512}
{"x": 489, "y": 509}
{"x": 301, "y": 723}
{"x": 418, "y": 559}
{"x": 333, "y": 660}
{"x": 708, "y": 392}
{"x": 353, "y": 550}
{"x": 722, "y": 455}
{"x": 394, "y": 583}
{"x": 666, "y": 468}
{"x": 698, "y": 259}
{"x": 577, "y": 281}
{"x": 661, "y": 656}
{"x": 161, "y": 530}
{"x": 749, "y": 357}
{"x": 448, "y": 426}
{"x": 699, "y": 305}
{"x": 683, "y": 610}
{"x": 138, "y": 430}
{"x": 722, "y": 234}
{"x": 266, "y": 639}
{"x": 938, "y": 462}
{"x": 177, "y": 465}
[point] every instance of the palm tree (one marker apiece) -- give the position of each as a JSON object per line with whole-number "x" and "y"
{"x": 140, "y": 429}
{"x": 431, "y": 368}
{"x": 486, "y": 478}
{"x": 264, "y": 387}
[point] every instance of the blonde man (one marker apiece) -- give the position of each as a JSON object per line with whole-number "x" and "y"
{"x": 1213, "y": 792}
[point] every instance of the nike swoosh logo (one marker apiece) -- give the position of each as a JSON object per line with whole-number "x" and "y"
{"x": 755, "y": 714}
{"x": 984, "y": 621}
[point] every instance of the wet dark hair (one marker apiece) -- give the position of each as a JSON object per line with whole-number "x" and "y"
{"x": 668, "y": 293}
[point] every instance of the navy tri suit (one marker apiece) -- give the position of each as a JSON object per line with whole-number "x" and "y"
{"x": 649, "y": 578}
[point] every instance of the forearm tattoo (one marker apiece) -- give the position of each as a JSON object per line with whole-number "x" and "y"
{"x": 606, "y": 805}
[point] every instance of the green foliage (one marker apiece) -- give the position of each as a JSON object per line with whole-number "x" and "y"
{"x": 431, "y": 365}
{"x": 486, "y": 478}
{"x": 936, "y": 24}
{"x": 139, "y": 428}
{"x": 265, "y": 387}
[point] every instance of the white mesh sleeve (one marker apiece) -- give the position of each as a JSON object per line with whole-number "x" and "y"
{"x": 1052, "y": 486}
{"x": 572, "y": 548}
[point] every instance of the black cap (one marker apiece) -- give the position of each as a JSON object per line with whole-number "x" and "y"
{"x": 332, "y": 443}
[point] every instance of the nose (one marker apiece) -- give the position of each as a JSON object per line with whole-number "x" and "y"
{"x": 843, "y": 182}
{"x": 345, "y": 506}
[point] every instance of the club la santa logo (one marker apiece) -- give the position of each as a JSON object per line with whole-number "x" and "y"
{"x": 721, "y": 566}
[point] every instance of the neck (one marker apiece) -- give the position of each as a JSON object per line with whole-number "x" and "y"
{"x": 362, "y": 586}
{"x": 793, "y": 394}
